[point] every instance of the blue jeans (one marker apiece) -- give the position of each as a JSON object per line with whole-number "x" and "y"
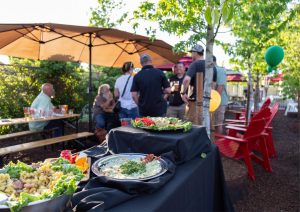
{"x": 58, "y": 124}
{"x": 106, "y": 121}
{"x": 132, "y": 113}
{"x": 100, "y": 121}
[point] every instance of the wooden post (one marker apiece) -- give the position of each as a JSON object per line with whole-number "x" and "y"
{"x": 199, "y": 98}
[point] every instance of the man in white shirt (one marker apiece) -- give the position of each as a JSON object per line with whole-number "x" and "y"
{"x": 43, "y": 103}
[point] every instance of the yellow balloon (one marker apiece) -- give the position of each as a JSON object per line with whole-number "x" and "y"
{"x": 215, "y": 100}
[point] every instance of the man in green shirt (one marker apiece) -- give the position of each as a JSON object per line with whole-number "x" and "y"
{"x": 221, "y": 87}
{"x": 43, "y": 103}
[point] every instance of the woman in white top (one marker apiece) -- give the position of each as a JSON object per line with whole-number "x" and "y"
{"x": 128, "y": 107}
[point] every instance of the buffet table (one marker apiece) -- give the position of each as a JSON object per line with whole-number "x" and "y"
{"x": 197, "y": 185}
{"x": 194, "y": 182}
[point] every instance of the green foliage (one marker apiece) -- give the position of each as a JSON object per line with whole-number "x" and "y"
{"x": 102, "y": 15}
{"x": 255, "y": 25}
{"x": 184, "y": 17}
{"x": 289, "y": 39}
{"x": 105, "y": 75}
{"x": 21, "y": 82}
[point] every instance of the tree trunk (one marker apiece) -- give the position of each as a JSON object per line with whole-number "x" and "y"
{"x": 249, "y": 97}
{"x": 257, "y": 94}
{"x": 299, "y": 104}
{"x": 208, "y": 77}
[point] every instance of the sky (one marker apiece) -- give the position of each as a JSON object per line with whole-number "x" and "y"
{"x": 77, "y": 12}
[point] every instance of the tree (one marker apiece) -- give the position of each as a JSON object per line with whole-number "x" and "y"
{"x": 102, "y": 15}
{"x": 182, "y": 17}
{"x": 255, "y": 26}
{"x": 21, "y": 81}
{"x": 289, "y": 40}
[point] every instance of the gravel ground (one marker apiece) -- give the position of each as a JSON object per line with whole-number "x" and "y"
{"x": 276, "y": 191}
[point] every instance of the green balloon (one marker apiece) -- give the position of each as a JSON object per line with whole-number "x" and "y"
{"x": 274, "y": 55}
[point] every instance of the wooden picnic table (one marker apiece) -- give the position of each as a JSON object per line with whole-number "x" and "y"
{"x": 35, "y": 144}
{"x": 16, "y": 121}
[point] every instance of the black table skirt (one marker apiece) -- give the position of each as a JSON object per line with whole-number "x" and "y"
{"x": 198, "y": 185}
{"x": 184, "y": 145}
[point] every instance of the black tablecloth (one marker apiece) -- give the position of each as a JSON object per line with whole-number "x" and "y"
{"x": 184, "y": 145}
{"x": 198, "y": 185}
{"x": 102, "y": 193}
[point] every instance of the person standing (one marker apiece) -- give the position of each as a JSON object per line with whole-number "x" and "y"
{"x": 43, "y": 103}
{"x": 176, "y": 104}
{"x": 122, "y": 92}
{"x": 148, "y": 89}
{"x": 221, "y": 87}
{"x": 198, "y": 65}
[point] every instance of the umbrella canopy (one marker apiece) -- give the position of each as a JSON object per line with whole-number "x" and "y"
{"x": 235, "y": 78}
{"x": 99, "y": 46}
{"x": 276, "y": 78}
{"x": 110, "y": 47}
{"x": 186, "y": 60}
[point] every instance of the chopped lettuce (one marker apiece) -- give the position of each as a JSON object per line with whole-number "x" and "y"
{"x": 69, "y": 168}
{"x": 65, "y": 185}
{"x": 14, "y": 170}
{"x": 23, "y": 201}
{"x": 60, "y": 161}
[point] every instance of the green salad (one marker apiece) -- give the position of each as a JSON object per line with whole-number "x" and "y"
{"x": 23, "y": 184}
{"x": 162, "y": 123}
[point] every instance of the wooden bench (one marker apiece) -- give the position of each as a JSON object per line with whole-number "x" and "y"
{"x": 18, "y": 134}
{"x": 45, "y": 142}
{"x": 24, "y": 134}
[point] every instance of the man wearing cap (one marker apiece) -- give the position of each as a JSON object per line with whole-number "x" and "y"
{"x": 198, "y": 65}
{"x": 148, "y": 89}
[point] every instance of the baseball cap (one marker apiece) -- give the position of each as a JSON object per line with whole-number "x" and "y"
{"x": 197, "y": 48}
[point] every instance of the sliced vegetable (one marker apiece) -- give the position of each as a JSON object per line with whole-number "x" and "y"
{"x": 66, "y": 154}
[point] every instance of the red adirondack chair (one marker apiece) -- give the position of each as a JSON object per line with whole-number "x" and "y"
{"x": 242, "y": 114}
{"x": 264, "y": 112}
{"x": 242, "y": 147}
{"x": 268, "y": 128}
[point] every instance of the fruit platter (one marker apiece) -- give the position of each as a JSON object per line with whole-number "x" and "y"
{"x": 23, "y": 185}
{"x": 162, "y": 124}
{"x": 130, "y": 166}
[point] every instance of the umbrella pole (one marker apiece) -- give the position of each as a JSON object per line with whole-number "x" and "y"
{"x": 90, "y": 84}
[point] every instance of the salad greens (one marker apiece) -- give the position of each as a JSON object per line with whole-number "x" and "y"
{"x": 14, "y": 170}
{"x": 162, "y": 123}
{"x": 68, "y": 168}
{"x": 131, "y": 167}
{"x": 23, "y": 201}
{"x": 65, "y": 185}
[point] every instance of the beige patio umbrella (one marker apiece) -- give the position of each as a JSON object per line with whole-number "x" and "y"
{"x": 92, "y": 45}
